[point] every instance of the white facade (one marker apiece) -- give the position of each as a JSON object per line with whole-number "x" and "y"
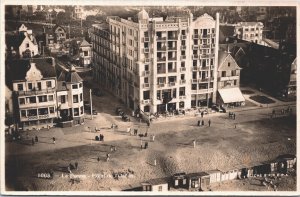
{"x": 250, "y": 31}
{"x": 144, "y": 61}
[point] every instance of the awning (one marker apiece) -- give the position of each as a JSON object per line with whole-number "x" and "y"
{"x": 231, "y": 95}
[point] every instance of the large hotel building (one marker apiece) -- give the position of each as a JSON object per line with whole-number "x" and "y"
{"x": 157, "y": 64}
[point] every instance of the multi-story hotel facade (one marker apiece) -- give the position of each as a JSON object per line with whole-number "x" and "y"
{"x": 156, "y": 65}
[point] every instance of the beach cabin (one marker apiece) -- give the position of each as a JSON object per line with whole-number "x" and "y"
{"x": 228, "y": 174}
{"x": 179, "y": 180}
{"x": 156, "y": 185}
{"x": 214, "y": 176}
{"x": 198, "y": 181}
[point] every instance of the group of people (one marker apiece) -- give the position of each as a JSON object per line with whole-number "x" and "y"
{"x": 231, "y": 115}
{"x": 35, "y": 140}
{"x": 100, "y": 138}
{"x": 72, "y": 167}
{"x": 201, "y": 122}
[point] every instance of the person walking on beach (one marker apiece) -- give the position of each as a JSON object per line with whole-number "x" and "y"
{"x": 209, "y": 122}
{"x": 53, "y": 140}
{"x": 76, "y": 165}
{"x": 194, "y": 143}
{"x": 32, "y": 142}
{"x": 198, "y": 123}
{"x": 36, "y": 139}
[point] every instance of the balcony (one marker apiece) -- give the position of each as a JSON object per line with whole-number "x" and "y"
{"x": 35, "y": 92}
{"x": 205, "y": 79}
{"x": 161, "y": 59}
{"x": 205, "y": 56}
{"x": 146, "y": 50}
{"x": 146, "y": 85}
{"x": 182, "y": 69}
{"x": 183, "y": 37}
{"x": 160, "y": 85}
{"x": 195, "y": 68}
{"x": 146, "y": 73}
{"x": 205, "y": 36}
{"x": 172, "y": 70}
{"x": 205, "y": 46}
{"x": 195, "y": 47}
{"x": 172, "y": 48}
{"x": 183, "y": 57}
{"x": 172, "y": 58}
{"x": 182, "y": 97}
{"x": 164, "y": 48}
{"x": 173, "y": 37}
{"x": 146, "y": 39}
{"x": 147, "y": 101}
{"x": 196, "y": 36}
{"x": 204, "y": 68}
{"x": 147, "y": 60}
{"x": 182, "y": 81}
{"x": 183, "y": 47}
{"x": 172, "y": 84}
{"x": 195, "y": 56}
{"x": 161, "y": 38}
{"x": 194, "y": 80}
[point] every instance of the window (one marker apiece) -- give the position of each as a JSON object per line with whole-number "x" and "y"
{"x": 29, "y": 86}
{"x": 146, "y": 80}
{"x": 48, "y": 83}
{"x": 183, "y": 32}
{"x": 42, "y": 99}
{"x": 233, "y": 73}
{"x": 27, "y": 45}
{"x": 223, "y": 73}
{"x": 183, "y": 42}
{"x": 22, "y": 101}
{"x": 184, "y": 180}
{"x": 146, "y": 67}
{"x": 75, "y": 98}
{"x": 195, "y": 31}
{"x": 63, "y": 99}
{"x": 81, "y": 97}
{"x": 182, "y": 91}
{"x": 176, "y": 182}
{"x": 76, "y": 111}
{"x": 39, "y": 85}
{"x": 235, "y": 82}
{"x": 81, "y": 110}
{"x": 160, "y": 188}
{"x": 80, "y": 85}
{"x": 43, "y": 111}
{"x": 182, "y": 64}
{"x": 158, "y": 95}
{"x": 23, "y": 113}
{"x": 51, "y": 110}
{"x": 174, "y": 93}
{"x": 181, "y": 105}
{"x": 194, "y": 86}
{"x": 31, "y": 99}
{"x": 50, "y": 98}
{"x": 86, "y": 53}
{"x": 20, "y": 87}
{"x": 182, "y": 52}
{"x": 146, "y": 95}
{"x": 74, "y": 86}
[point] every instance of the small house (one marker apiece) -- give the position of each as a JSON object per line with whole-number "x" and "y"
{"x": 198, "y": 181}
{"x": 156, "y": 185}
{"x": 179, "y": 180}
{"x": 229, "y": 174}
{"x": 214, "y": 176}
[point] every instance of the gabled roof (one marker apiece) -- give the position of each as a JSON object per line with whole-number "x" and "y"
{"x": 197, "y": 174}
{"x": 84, "y": 43}
{"x": 17, "y": 69}
{"x": 223, "y": 56}
{"x": 14, "y": 40}
{"x": 158, "y": 181}
{"x": 70, "y": 77}
{"x": 57, "y": 26}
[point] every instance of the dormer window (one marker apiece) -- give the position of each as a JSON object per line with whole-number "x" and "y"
{"x": 27, "y": 45}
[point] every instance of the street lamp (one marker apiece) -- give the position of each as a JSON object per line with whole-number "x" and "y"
{"x": 91, "y": 102}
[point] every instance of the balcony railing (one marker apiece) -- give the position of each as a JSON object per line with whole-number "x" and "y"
{"x": 146, "y": 39}
{"x": 161, "y": 38}
{"x": 172, "y": 70}
{"x": 204, "y": 68}
{"x": 146, "y": 72}
{"x": 35, "y": 92}
{"x": 182, "y": 97}
{"x": 161, "y": 59}
{"x": 194, "y": 80}
{"x": 183, "y": 57}
{"x": 147, "y": 101}
{"x": 164, "y": 48}
{"x": 195, "y": 47}
{"x": 146, "y": 85}
{"x": 160, "y": 85}
{"x": 147, "y": 60}
{"x": 172, "y": 37}
{"x": 182, "y": 69}
{"x": 205, "y": 56}
{"x": 205, "y": 46}
{"x": 172, "y": 48}
{"x": 182, "y": 81}
{"x": 196, "y": 36}
{"x": 172, "y": 84}
{"x": 172, "y": 58}
{"x": 195, "y": 56}
{"x": 195, "y": 68}
{"x": 183, "y": 47}
{"x": 183, "y": 37}
{"x": 146, "y": 50}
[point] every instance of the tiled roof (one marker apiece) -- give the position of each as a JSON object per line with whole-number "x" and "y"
{"x": 70, "y": 76}
{"x": 17, "y": 69}
{"x": 14, "y": 40}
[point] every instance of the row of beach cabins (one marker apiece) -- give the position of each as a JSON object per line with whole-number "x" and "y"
{"x": 201, "y": 181}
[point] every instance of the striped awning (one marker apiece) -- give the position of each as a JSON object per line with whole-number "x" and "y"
{"x": 231, "y": 95}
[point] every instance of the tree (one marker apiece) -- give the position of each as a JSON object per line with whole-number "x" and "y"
{"x": 63, "y": 18}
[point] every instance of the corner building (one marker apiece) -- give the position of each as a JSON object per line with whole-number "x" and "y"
{"x": 156, "y": 64}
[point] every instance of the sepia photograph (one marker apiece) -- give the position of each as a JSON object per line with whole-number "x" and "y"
{"x": 149, "y": 99}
